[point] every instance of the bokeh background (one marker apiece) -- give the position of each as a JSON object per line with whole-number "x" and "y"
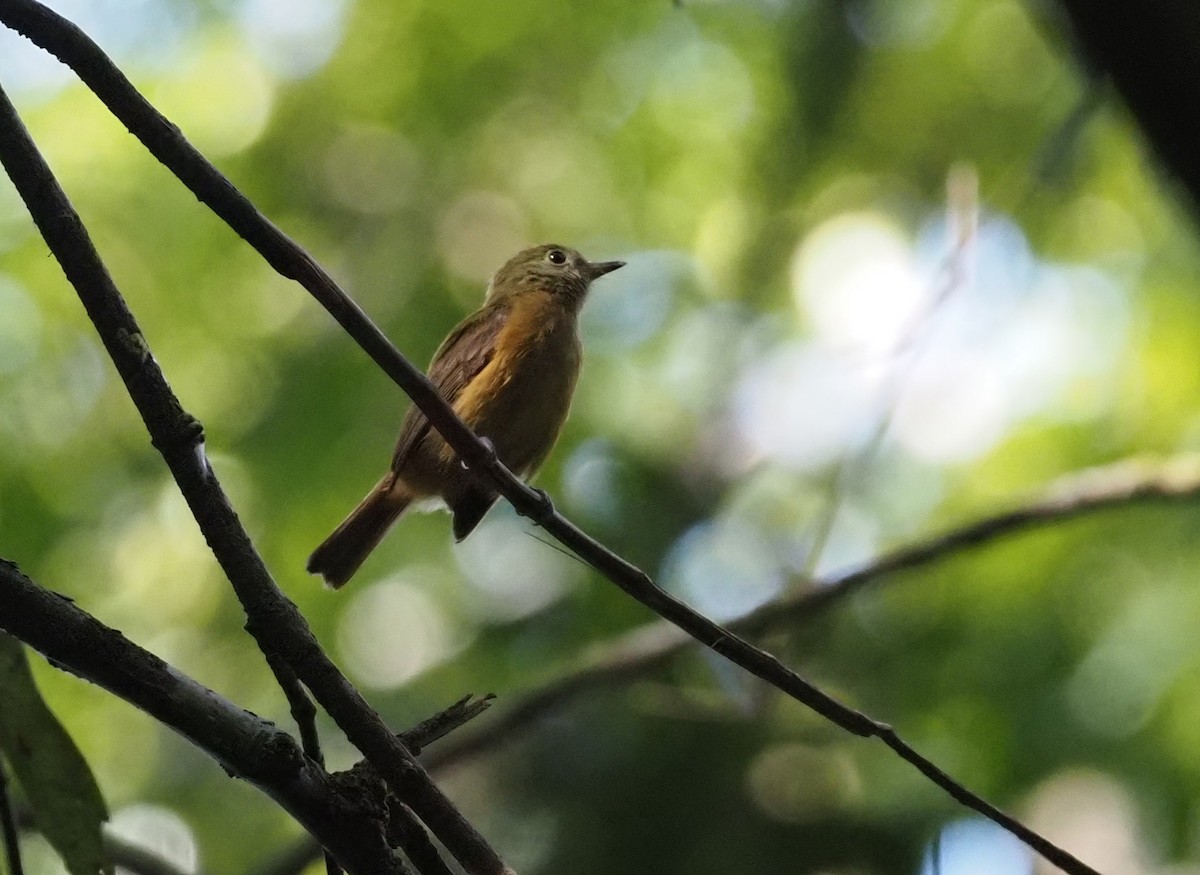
{"x": 892, "y": 266}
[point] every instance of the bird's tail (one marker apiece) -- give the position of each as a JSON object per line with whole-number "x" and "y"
{"x": 340, "y": 555}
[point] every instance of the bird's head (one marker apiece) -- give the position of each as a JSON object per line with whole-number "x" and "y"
{"x": 549, "y": 267}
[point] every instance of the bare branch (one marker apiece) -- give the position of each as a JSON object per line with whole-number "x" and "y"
{"x": 246, "y": 746}
{"x": 276, "y": 624}
{"x": 444, "y": 722}
{"x": 305, "y": 715}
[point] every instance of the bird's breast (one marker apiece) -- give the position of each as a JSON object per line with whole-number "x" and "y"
{"x": 520, "y": 400}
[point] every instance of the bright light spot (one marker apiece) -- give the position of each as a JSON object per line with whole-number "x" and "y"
{"x": 158, "y": 558}
{"x": 293, "y": 37}
{"x": 723, "y": 570}
{"x": 160, "y": 831}
{"x": 144, "y": 32}
{"x": 977, "y": 847}
{"x": 511, "y": 569}
{"x": 801, "y": 406}
{"x": 392, "y": 631}
{"x": 223, "y": 101}
{"x": 855, "y": 276}
{"x": 1094, "y": 816}
{"x": 952, "y": 414}
{"x": 479, "y": 232}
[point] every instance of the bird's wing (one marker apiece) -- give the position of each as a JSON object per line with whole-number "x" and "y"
{"x": 462, "y": 355}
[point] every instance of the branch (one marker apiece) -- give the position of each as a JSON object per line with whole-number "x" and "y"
{"x": 305, "y": 715}
{"x": 246, "y": 746}
{"x": 302, "y": 852}
{"x": 274, "y": 621}
{"x": 646, "y": 649}
{"x": 67, "y": 42}
{"x": 1151, "y": 52}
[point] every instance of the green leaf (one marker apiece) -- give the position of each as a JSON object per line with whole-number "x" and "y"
{"x": 67, "y": 806}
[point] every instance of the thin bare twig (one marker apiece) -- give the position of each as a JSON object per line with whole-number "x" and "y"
{"x": 71, "y": 45}
{"x": 962, "y": 197}
{"x": 444, "y": 722}
{"x": 305, "y": 715}
{"x": 276, "y": 624}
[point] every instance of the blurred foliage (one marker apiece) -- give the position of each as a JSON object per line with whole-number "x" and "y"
{"x": 800, "y": 279}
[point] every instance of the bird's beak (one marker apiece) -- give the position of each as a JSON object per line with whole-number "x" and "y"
{"x": 596, "y": 269}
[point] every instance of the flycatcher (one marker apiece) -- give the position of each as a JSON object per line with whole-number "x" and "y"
{"x": 508, "y": 370}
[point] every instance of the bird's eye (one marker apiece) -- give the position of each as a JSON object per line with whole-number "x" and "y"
{"x": 556, "y": 256}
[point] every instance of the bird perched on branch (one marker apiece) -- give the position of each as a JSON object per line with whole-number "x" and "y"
{"x": 508, "y": 370}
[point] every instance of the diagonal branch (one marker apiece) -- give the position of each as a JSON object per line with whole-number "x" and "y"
{"x": 647, "y": 648}
{"x": 274, "y": 621}
{"x": 74, "y": 48}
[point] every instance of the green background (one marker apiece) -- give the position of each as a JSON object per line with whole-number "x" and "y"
{"x": 787, "y": 181}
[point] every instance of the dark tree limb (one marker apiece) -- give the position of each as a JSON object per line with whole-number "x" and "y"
{"x": 246, "y": 746}
{"x": 274, "y": 621}
{"x": 1151, "y": 52}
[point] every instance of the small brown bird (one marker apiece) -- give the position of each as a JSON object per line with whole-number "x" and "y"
{"x": 508, "y": 370}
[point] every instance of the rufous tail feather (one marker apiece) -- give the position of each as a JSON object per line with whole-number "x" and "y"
{"x": 340, "y": 555}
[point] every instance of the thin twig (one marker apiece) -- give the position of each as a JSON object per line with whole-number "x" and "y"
{"x": 305, "y": 715}
{"x": 276, "y": 624}
{"x": 67, "y": 42}
{"x": 8, "y": 824}
{"x": 963, "y": 219}
{"x": 444, "y": 722}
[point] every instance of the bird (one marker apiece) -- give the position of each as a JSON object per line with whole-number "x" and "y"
{"x": 508, "y": 370}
